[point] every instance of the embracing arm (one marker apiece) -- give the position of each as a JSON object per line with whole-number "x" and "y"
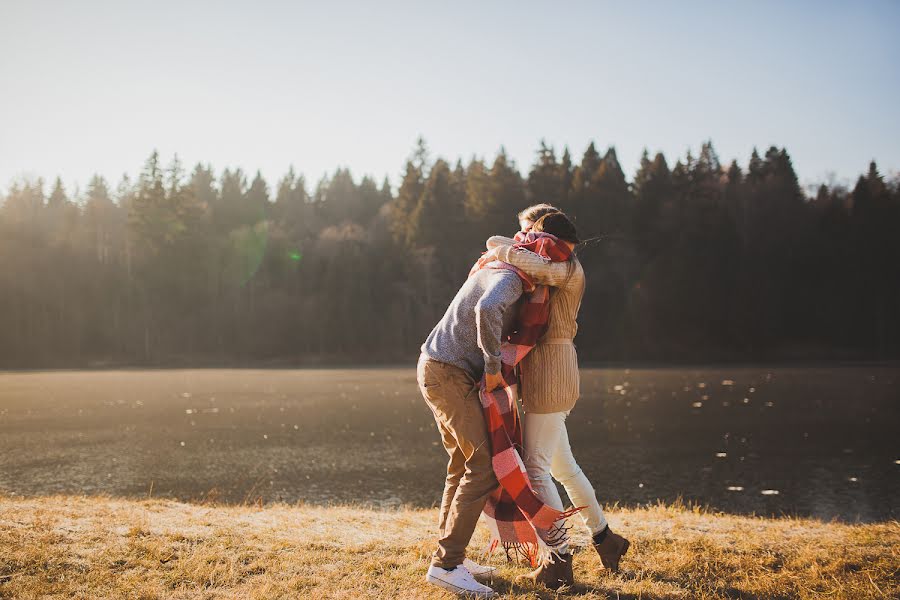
{"x": 542, "y": 270}
{"x": 504, "y": 290}
{"x": 495, "y": 241}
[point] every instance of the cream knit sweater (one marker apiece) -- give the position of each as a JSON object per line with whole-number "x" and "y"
{"x": 549, "y": 373}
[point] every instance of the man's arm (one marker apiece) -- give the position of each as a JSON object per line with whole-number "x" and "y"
{"x": 504, "y": 289}
{"x": 542, "y": 270}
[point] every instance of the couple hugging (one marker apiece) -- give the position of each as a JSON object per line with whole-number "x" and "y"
{"x": 509, "y": 329}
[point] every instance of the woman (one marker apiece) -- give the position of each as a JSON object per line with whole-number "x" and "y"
{"x": 550, "y": 383}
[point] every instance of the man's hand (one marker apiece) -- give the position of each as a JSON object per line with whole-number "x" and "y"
{"x": 492, "y": 381}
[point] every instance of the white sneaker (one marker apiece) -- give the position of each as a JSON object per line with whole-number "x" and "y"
{"x": 478, "y": 570}
{"x": 458, "y": 580}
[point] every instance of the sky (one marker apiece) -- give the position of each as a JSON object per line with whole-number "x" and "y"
{"x": 93, "y": 87}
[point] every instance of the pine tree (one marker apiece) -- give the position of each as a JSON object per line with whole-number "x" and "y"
{"x": 230, "y": 211}
{"x": 431, "y": 222}
{"x": 708, "y": 165}
{"x": 387, "y": 194}
{"x": 546, "y": 181}
{"x": 406, "y": 202}
{"x": 369, "y": 200}
{"x": 292, "y": 207}
{"x": 61, "y": 214}
{"x": 652, "y": 190}
{"x": 153, "y": 223}
{"x": 339, "y": 200}
{"x": 58, "y": 198}
{"x": 506, "y": 194}
{"x": 257, "y": 197}
{"x": 478, "y": 183}
{"x": 101, "y": 219}
{"x": 755, "y": 169}
{"x": 582, "y": 196}
{"x": 606, "y": 202}
{"x": 25, "y": 204}
{"x": 421, "y": 157}
{"x": 566, "y": 175}
{"x": 203, "y": 186}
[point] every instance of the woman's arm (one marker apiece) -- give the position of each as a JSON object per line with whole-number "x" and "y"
{"x": 542, "y": 270}
{"x": 495, "y": 241}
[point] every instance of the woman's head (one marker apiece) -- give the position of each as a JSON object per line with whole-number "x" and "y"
{"x": 531, "y": 214}
{"x": 558, "y": 224}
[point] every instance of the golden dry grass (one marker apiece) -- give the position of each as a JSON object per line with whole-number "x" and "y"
{"x": 71, "y": 547}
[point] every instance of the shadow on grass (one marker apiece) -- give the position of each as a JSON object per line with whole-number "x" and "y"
{"x": 725, "y": 592}
{"x": 504, "y": 587}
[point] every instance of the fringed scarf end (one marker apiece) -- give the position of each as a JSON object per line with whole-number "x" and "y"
{"x": 522, "y": 550}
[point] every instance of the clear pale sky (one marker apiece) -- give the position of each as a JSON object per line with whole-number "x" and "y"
{"x": 89, "y": 86}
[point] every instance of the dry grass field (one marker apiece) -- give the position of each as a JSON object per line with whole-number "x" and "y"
{"x": 97, "y": 547}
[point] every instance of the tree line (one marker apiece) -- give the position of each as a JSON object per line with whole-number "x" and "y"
{"x": 692, "y": 261}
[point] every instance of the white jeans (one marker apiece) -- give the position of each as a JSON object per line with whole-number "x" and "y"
{"x": 547, "y": 454}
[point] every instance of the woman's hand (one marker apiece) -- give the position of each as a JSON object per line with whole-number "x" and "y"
{"x": 490, "y": 254}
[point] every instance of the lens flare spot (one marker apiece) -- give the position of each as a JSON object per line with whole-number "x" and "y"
{"x": 245, "y": 252}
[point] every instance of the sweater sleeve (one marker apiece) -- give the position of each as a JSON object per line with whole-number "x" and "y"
{"x": 542, "y": 270}
{"x": 502, "y": 292}
{"x": 498, "y": 240}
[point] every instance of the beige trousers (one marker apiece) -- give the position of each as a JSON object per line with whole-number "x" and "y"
{"x": 452, "y": 395}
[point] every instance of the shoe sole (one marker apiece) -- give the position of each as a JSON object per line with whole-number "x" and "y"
{"x": 459, "y": 590}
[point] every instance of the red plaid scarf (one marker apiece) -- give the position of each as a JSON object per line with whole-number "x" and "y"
{"x": 514, "y": 513}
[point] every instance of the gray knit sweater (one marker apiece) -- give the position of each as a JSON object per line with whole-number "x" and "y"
{"x": 470, "y": 332}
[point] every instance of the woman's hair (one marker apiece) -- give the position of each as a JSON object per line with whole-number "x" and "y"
{"x": 558, "y": 224}
{"x": 533, "y": 213}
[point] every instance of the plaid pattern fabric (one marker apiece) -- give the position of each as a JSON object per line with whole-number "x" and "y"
{"x": 514, "y": 514}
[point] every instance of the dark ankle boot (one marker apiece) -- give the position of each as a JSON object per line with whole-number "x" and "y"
{"x": 611, "y": 549}
{"x": 555, "y": 572}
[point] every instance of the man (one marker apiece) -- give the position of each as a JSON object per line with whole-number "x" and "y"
{"x": 462, "y": 347}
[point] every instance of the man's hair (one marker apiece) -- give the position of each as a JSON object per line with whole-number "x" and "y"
{"x": 533, "y": 213}
{"x": 558, "y": 224}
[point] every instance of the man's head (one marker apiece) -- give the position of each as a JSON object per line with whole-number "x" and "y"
{"x": 558, "y": 224}
{"x": 531, "y": 214}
